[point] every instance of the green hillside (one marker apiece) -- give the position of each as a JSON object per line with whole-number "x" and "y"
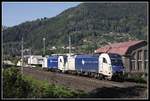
{"x": 90, "y": 25}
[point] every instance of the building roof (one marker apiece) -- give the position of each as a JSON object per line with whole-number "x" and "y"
{"x": 119, "y": 48}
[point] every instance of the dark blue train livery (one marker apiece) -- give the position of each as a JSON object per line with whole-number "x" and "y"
{"x": 86, "y": 63}
{"x": 52, "y": 62}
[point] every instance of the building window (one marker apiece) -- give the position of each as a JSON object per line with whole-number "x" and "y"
{"x": 139, "y": 64}
{"x": 145, "y": 60}
{"x": 132, "y": 65}
{"x": 133, "y": 57}
{"x": 145, "y": 66}
{"x": 145, "y": 55}
{"x": 140, "y": 55}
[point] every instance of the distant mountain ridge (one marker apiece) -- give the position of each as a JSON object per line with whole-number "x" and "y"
{"x": 90, "y": 25}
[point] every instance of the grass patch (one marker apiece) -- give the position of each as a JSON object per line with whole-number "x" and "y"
{"x": 135, "y": 78}
{"x": 18, "y": 86}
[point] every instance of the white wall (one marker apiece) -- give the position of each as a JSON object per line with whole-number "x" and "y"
{"x": 35, "y": 60}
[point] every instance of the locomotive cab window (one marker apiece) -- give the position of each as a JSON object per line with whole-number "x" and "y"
{"x": 104, "y": 60}
{"x": 116, "y": 62}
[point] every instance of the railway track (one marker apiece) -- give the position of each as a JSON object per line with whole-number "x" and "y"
{"x": 76, "y": 82}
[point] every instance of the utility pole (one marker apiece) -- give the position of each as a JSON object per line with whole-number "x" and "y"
{"x": 22, "y": 55}
{"x": 69, "y": 44}
{"x": 44, "y": 46}
{"x": 30, "y": 58}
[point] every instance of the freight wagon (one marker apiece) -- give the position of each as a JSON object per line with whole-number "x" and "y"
{"x": 86, "y": 63}
{"x": 35, "y": 60}
{"x": 56, "y": 63}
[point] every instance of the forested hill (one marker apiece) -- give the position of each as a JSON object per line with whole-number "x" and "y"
{"x": 90, "y": 25}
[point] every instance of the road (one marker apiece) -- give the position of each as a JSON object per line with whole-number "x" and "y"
{"x": 94, "y": 87}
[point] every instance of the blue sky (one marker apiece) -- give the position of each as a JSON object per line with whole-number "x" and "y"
{"x": 14, "y": 13}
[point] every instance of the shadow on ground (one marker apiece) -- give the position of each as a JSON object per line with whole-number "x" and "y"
{"x": 116, "y": 92}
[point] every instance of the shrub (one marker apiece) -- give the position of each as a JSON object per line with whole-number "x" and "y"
{"x": 13, "y": 84}
{"x": 16, "y": 85}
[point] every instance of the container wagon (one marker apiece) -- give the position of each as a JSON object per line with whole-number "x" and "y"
{"x": 54, "y": 63}
{"x": 86, "y": 64}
